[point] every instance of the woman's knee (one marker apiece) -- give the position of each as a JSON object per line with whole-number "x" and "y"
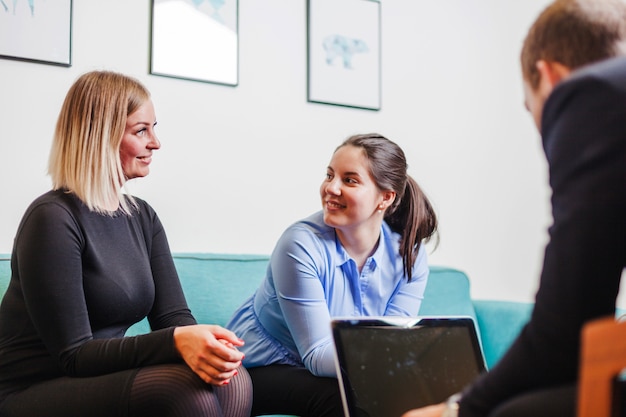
{"x": 284, "y": 389}
{"x": 327, "y": 401}
{"x": 171, "y": 390}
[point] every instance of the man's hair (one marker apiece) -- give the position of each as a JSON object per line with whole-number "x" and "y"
{"x": 574, "y": 33}
{"x": 85, "y": 154}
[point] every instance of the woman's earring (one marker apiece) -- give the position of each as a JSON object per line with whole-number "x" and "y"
{"x": 380, "y": 208}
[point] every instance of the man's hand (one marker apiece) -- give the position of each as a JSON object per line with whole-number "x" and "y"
{"x": 429, "y": 411}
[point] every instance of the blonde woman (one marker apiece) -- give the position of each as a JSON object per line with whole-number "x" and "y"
{"x": 88, "y": 262}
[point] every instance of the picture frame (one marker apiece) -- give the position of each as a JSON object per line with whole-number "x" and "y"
{"x": 36, "y": 31}
{"x": 196, "y": 40}
{"x": 343, "y": 53}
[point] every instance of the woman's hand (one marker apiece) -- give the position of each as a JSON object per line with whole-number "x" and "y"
{"x": 210, "y": 351}
{"x": 430, "y": 411}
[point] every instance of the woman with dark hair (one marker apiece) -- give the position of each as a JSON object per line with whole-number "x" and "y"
{"x": 362, "y": 255}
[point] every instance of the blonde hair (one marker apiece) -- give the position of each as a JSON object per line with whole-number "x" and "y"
{"x": 85, "y": 154}
{"x": 574, "y": 33}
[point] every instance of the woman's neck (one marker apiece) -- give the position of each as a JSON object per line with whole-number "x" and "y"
{"x": 360, "y": 244}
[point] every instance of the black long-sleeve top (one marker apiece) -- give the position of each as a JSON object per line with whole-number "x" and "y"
{"x": 79, "y": 280}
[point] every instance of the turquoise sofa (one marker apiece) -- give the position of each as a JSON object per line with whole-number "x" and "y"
{"x": 216, "y": 284}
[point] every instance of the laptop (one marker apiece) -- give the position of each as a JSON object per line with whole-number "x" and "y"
{"x": 389, "y": 365}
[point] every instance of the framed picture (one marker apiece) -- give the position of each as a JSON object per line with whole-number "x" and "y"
{"x": 196, "y": 40}
{"x": 36, "y": 31}
{"x": 344, "y": 53}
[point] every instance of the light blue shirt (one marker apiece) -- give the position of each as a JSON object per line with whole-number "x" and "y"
{"x": 311, "y": 278}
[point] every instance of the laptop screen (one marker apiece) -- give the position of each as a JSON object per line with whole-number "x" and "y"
{"x": 387, "y": 366}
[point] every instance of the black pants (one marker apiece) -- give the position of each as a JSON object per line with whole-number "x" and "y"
{"x": 284, "y": 389}
{"x": 552, "y": 402}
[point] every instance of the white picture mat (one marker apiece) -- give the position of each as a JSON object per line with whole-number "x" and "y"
{"x": 197, "y": 42}
{"x": 334, "y": 83}
{"x": 41, "y": 33}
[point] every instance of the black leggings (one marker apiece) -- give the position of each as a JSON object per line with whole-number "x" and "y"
{"x": 170, "y": 390}
{"x": 284, "y": 389}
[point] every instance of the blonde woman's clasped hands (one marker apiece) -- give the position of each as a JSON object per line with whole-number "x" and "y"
{"x": 210, "y": 351}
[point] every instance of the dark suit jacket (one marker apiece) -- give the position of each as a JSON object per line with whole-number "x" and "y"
{"x": 584, "y": 138}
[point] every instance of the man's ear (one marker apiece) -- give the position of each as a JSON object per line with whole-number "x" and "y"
{"x": 550, "y": 74}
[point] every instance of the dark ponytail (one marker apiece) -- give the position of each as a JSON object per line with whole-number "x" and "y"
{"x": 411, "y": 214}
{"x": 414, "y": 219}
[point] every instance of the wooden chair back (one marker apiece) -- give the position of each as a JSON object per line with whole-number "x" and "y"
{"x": 603, "y": 357}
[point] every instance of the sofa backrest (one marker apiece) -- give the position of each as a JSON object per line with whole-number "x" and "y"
{"x": 236, "y": 277}
{"x": 447, "y": 293}
{"x": 216, "y": 284}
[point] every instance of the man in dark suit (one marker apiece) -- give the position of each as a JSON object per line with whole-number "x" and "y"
{"x": 580, "y": 110}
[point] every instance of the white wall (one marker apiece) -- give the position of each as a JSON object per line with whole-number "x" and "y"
{"x": 239, "y": 164}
